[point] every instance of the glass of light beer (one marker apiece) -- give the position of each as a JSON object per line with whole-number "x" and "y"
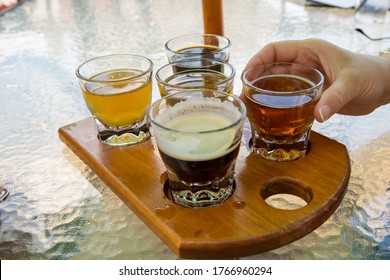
{"x": 199, "y": 139}
{"x": 195, "y": 73}
{"x": 117, "y": 90}
{"x": 198, "y": 46}
{"x": 280, "y": 99}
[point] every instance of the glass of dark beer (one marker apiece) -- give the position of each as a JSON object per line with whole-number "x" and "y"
{"x": 195, "y": 73}
{"x": 280, "y": 99}
{"x": 198, "y": 46}
{"x": 199, "y": 139}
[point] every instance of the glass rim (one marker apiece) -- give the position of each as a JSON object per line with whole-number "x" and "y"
{"x": 228, "y": 43}
{"x": 284, "y": 93}
{"x": 144, "y": 72}
{"x": 196, "y": 69}
{"x": 232, "y": 125}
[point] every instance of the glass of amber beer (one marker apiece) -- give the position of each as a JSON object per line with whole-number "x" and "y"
{"x": 195, "y": 73}
{"x": 199, "y": 139}
{"x": 117, "y": 90}
{"x": 280, "y": 99}
{"x": 198, "y": 46}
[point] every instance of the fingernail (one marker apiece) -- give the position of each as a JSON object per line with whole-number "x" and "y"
{"x": 324, "y": 112}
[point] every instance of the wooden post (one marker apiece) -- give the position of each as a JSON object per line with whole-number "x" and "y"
{"x": 212, "y": 17}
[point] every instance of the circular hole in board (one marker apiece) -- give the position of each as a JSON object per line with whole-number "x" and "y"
{"x": 286, "y": 193}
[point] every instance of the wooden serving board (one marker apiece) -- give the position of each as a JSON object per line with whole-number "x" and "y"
{"x": 243, "y": 225}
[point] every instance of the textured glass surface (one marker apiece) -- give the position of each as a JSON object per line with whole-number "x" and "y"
{"x": 59, "y": 209}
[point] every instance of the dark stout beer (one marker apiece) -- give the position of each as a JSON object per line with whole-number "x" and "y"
{"x": 196, "y": 79}
{"x": 198, "y": 138}
{"x": 203, "y": 172}
{"x": 207, "y": 51}
{"x": 210, "y": 52}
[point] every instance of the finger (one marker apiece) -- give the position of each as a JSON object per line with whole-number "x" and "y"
{"x": 332, "y": 101}
{"x": 284, "y": 51}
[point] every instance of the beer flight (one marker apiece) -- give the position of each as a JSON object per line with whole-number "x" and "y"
{"x": 198, "y": 121}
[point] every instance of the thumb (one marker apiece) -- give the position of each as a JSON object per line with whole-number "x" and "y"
{"x": 333, "y": 99}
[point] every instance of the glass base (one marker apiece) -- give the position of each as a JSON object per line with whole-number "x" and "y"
{"x": 123, "y": 136}
{"x": 280, "y": 154}
{"x": 282, "y": 151}
{"x": 125, "y": 139}
{"x": 200, "y": 196}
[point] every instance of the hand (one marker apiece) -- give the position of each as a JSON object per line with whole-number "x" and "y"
{"x": 355, "y": 84}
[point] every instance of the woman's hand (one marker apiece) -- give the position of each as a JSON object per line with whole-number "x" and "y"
{"x": 355, "y": 84}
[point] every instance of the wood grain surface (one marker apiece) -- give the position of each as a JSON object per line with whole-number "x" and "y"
{"x": 243, "y": 225}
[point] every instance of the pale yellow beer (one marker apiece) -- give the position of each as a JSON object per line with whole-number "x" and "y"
{"x": 122, "y": 103}
{"x": 117, "y": 90}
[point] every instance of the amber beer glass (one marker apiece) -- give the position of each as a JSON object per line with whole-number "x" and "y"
{"x": 280, "y": 99}
{"x": 199, "y": 139}
{"x": 195, "y": 73}
{"x": 117, "y": 90}
{"x": 198, "y": 46}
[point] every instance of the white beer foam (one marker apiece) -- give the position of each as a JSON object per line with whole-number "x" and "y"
{"x": 199, "y": 104}
{"x": 189, "y": 121}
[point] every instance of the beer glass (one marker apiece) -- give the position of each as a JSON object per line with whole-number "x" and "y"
{"x": 117, "y": 90}
{"x": 280, "y": 99}
{"x": 198, "y": 46}
{"x": 198, "y": 139}
{"x": 195, "y": 74}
